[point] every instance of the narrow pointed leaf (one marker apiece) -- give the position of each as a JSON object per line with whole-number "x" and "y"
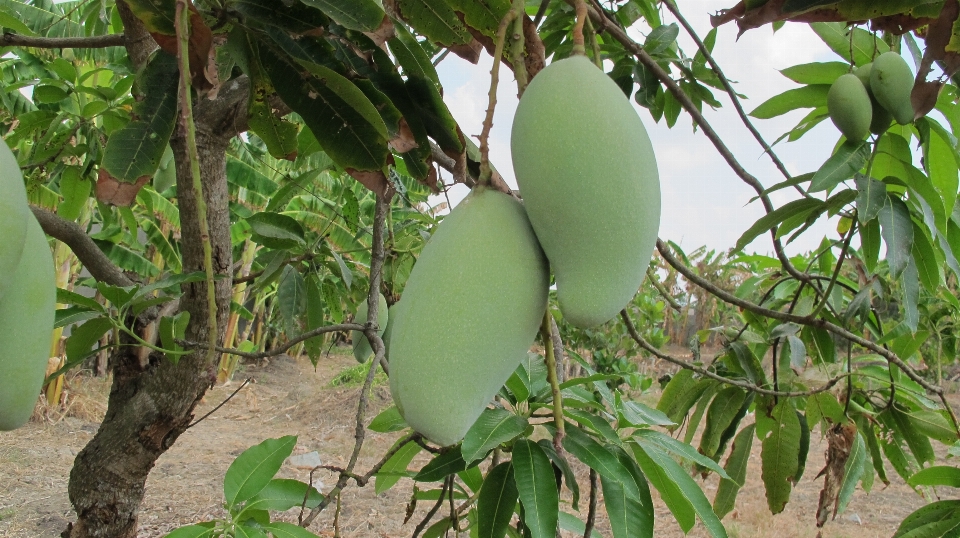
{"x": 497, "y": 501}
{"x": 360, "y": 15}
{"x": 779, "y": 433}
{"x": 537, "y": 488}
{"x": 736, "y": 467}
{"x": 897, "y": 231}
{"x": 494, "y": 426}
{"x": 842, "y": 165}
{"x": 250, "y": 473}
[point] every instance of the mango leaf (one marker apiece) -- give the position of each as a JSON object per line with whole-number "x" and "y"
{"x": 935, "y": 425}
{"x": 942, "y": 158}
{"x": 569, "y": 477}
{"x": 811, "y": 96}
{"x": 291, "y": 298}
{"x": 434, "y": 114}
{"x": 75, "y": 191}
{"x": 940, "y": 518}
{"x": 279, "y": 529}
{"x": 497, "y": 501}
{"x": 629, "y": 518}
{"x": 723, "y": 410}
{"x": 171, "y": 329}
{"x": 411, "y": 56}
{"x": 442, "y": 466}
{"x": 736, "y": 467}
{"x": 816, "y": 72}
{"x": 677, "y": 448}
{"x": 597, "y": 457}
{"x": 665, "y": 473}
{"x": 870, "y": 243}
{"x": 854, "y": 468}
{"x": 928, "y": 263}
{"x": 192, "y": 531}
{"x": 279, "y": 135}
{"x": 82, "y": 338}
{"x": 389, "y": 420}
{"x": 796, "y": 208}
{"x": 296, "y": 17}
{"x": 779, "y": 433}
{"x": 277, "y": 231}
{"x": 938, "y": 475}
{"x": 159, "y": 18}
{"x": 395, "y": 467}
{"x": 863, "y": 44}
{"x": 435, "y": 20}
{"x": 253, "y": 470}
{"x": 537, "y": 487}
{"x": 897, "y": 231}
{"x": 360, "y": 15}
{"x": 134, "y": 152}
{"x": 849, "y": 158}
{"x": 341, "y": 117}
{"x": 637, "y": 415}
{"x": 483, "y": 15}
{"x": 494, "y": 426}
{"x": 872, "y": 195}
{"x": 160, "y": 242}
{"x": 282, "y": 494}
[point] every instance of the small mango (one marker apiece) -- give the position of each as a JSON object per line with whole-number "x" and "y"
{"x": 588, "y": 177}
{"x": 471, "y": 309}
{"x": 892, "y": 82}
{"x": 849, "y": 107}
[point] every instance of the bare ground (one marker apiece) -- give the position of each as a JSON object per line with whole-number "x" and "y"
{"x": 290, "y": 397}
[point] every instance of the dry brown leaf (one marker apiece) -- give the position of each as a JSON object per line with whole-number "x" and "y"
{"x": 840, "y": 439}
{"x": 112, "y": 191}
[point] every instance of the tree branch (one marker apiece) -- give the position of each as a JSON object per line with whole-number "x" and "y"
{"x": 89, "y": 254}
{"x": 278, "y": 350}
{"x": 92, "y": 42}
{"x": 730, "y": 298}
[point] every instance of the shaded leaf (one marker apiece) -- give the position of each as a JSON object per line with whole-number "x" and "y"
{"x": 736, "y": 467}
{"x": 537, "y": 488}
{"x": 497, "y": 501}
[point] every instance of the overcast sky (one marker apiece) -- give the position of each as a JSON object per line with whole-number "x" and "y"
{"x": 704, "y": 202}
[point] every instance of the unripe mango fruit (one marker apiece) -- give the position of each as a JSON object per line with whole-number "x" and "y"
{"x": 14, "y": 215}
{"x": 588, "y": 177}
{"x": 849, "y": 107}
{"x": 361, "y": 346}
{"x": 471, "y": 309}
{"x": 26, "y": 322}
{"x": 882, "y": 118}
{"x": 892, "y": 82}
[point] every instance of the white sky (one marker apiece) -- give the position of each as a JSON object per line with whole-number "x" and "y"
{"x": 704, "y": 202}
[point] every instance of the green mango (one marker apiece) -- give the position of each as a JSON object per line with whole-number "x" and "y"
{"x": 588, "y": 177}
{"x": 14, "y": 215}
{"x": 882, "y": 118}
{"x": 26, "y": 323}
{"x": 393, "y": 312}
{"x": 892, "y": 82}
{"x": 471, "y": 309}
{"x": 849, "y": 107}
{"x": 361, "y": 346}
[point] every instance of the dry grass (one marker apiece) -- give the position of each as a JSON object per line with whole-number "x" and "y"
{"x": 290, "y": 397}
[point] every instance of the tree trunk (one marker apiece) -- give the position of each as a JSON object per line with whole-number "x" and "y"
{"x": 150, "y": 406}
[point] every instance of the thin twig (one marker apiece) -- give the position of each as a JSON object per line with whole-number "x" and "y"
{"x": 725, "y": 380}
{"x": 214, "y": 410}
{"x": 652, "y": 277}
{"x": 592, "y": 509}
{"x": 734, "y": 98}
{"x": 186, "y": 113}
{"x": 545, "y": 334}
{"x": 426, "y": 520}
{"x": 485, "y": 170}
{"x": 281, "y": 349}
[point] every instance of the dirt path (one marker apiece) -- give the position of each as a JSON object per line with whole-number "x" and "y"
{"x": 291, "y": 398}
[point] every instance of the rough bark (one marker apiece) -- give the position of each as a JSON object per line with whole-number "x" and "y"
{"x": 151, "y": 405}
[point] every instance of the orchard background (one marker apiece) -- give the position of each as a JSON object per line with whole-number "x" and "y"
{"x": 222, "y": 190}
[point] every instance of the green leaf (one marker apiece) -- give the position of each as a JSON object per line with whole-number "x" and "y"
{"x": 597, "y": 457}
{"x": 11, "y": 21}
{"x": 872, "y": 195}
{"x": 497, "y": 501}
{"x": 253, "y": 470}
{"x": 656, "y": 463}
{"x": 191, "y": 531}
{"x": 720, "y": 415}
{"x": 493, "y": 427}
{"x": 811, "y": 96}
{"x": 935, "y": 425}
{"x": 395, "y": 467}
{"x": 75, "y": 314}
{"x": 629, "y": 518}
{"x": 569, "y": 477}
{"x": 245, "y": 531}
{"x": 842, "y": 165}
{"x": 171, "y": 329}
{"x": 779, "y": 433}
{"x": 736, "y": 467}
{"x": 84, "y": 337}
{"x": 360, "y": 15}
{"x": 897, "y": 231}
{"x": 637, "y": 415}
{"x": 484, "y": 15}
{"x": 940, "y": 518}
{"x": 938, "y": 475}
{"x": 288, "y": 530}
{"x": 160, "y": 242}
{"x": 75, "y": 191}
{"x": 435, "y": 20}
{"x": 411, "y": 56}
{"x": 816, "y": 72}
{"x": 863, "y": 44}
{"x": 273, "y": 230}
{"x": 442, "y": 466}
{"x": 677, "y": 448}
{"x": 341, "y": 117}
{"x": 537, "y": 487}
{"x": 870, "y": 243}
{"x": 853, "y": 470}
{"x": 70, "y": 297}
{"x": 134, "y": 152}
{"x": 680, "y": 394}
{"x": 389, "y": 420}
{"x": 291, "y": 298}
{"x": 801, "y": 207}
{"x": 926, "y": 259}
{"x": 942, "y": 159}
{"x": 282, "y": 494}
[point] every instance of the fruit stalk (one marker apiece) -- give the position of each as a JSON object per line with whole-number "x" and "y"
{"x": 551, "y": 358}
{"x": 186, "y": 113}
{"x": 485, "y": 171}
{"x": 517, "y": 48}
{"x": 578, "y": 48}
